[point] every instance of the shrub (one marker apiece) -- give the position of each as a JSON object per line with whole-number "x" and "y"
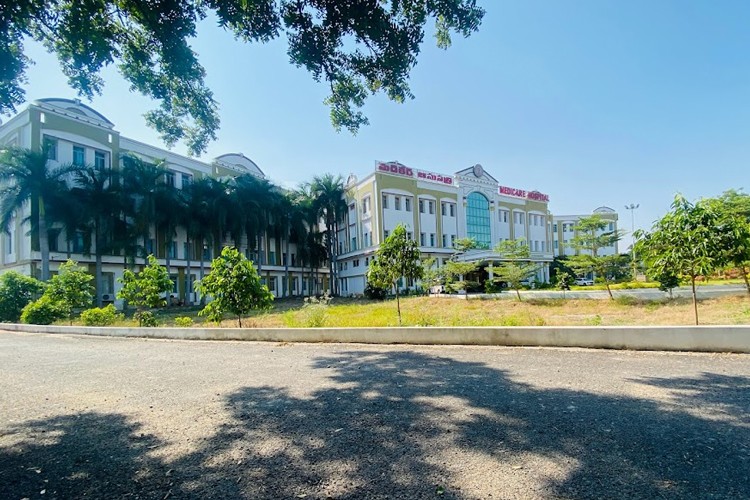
{"x": 44, "y": 311}
{"x": 375, "y": 292}
{"x": 183, "y": 321}
{"x": 146, "y": 318}
{"x": 314, "y": 312}
{"x": 100, "y": 316}
{"x": 16, "y": 291}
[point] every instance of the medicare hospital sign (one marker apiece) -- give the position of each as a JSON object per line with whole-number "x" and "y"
{"x": 520, "y": 193}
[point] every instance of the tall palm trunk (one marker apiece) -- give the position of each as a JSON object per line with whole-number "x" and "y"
{"x": 98, "y": 262}
{"x": 188, "y": 301}
{"x": 43, "y": 240}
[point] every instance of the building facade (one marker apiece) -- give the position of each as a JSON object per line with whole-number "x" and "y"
{"x": 564, "y": 231}
{"x": 438, "y": 209}
{"x": 77, "y": 134}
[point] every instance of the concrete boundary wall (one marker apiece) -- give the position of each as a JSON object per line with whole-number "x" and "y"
{"x": 650, "y": 338}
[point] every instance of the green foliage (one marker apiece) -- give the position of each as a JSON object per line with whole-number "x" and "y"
{"x": 733, "y": 210}
{"x": 145, "y": 288}
{"x": 516, "y": 266}
{"x": 592, "y": 236}
{"x": 559, "y": 265}
{"x": 374, "y": 292}
{"x": 44, "y": 311}
{"x": 564, "y": 280}
{"x": 146, "y": 319}
{"x": 315, "y": 311}
{"x": 357, "y": 48}
{"x": 235, "y": 287}
{"x": 71, "y": 286}
{"x": 101, "y": 316}
{"x": 688, "y": 242}
{"x": 667, "y": 281}
{"x": 16, "y": 291}
{"x": 397, "y": 257}
{"x": 183, "y": 321}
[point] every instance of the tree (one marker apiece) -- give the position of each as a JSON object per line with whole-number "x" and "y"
{"x": 667, "y": 281}
{"x": 591, "y": 236}
{"x": 27, "y": 177}
{"x": 141, "y": 183}
{"x": 516, "y": 266}
{"x": 452, "y": 272}
{"x": 733, "y": 208}
{"x": 235, "y": 287}
{"x": 71, "y": 286}
{"x": 145, "y": 289}
{"x": 397, "y": 258}
{"x": 687, "y": 242}
{"x": 357, "y": 47}
{"x": 330, "y": 204}
{"x": 98, "y": 196}
{"x": 16, "y": 291}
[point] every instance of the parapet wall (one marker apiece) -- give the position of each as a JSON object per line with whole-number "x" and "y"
{"x": 649, "y": 338}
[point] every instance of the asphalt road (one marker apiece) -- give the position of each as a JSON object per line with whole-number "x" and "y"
{"x": 95, "y": 417}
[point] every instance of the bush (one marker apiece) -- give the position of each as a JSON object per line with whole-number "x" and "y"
{"x": 100, "y": 316}
{"x": 183, "y": 321}
{"x": 314, "y": 312}
{"x": 44, "y": 311}
{"x": 16, "y": 291}
{"x": 146, "y": 318}
{"x": 375, "y": 292}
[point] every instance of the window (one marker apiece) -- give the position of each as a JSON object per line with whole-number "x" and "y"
{"x": 554, "y": 227}
{"x": 409, "y": 235}
{"x": 186, "y": 251}
{"x": 386, "y": 233}
{"x": 431, "y": 205}
{"x": 293, "y": 260}
{"x": 445, "y": 240}
{"x": 272, "y": 258}
{"x": 52, "y": 238}
{"x": 50, "y": 145}
{"x": 283, "y": 258}
{"x": 421, "y": 206}
{"x": 397, "y": 202}
{"x": 443, "y": 211}
{"x": 557, "y": 244}
{"x": 453, "y": 240}
{"x": 354, "y": 244}
{"x": 453, "y": 209}
{"x": 422, "y": 238}
{"x": 173, "y": 278}
{"x": 206, "y": 253}
{"x": 100, "y": 160}
{"x": 385, "y": 201}
{"x": 172, "y": 249}
{"x": 407, "y": 204}
{"x": 432, "y": 239}
{"x": 169, "y": 178}
{"x": 542, "y": 245}
{"x": 478, "y": 219}
{"x": 79, "y": 155}
{"x": 272, "y": 284}
{"x": 366, "y": 205}
{"x": 8, "y": 243}
{"x": 355, "y": 263}
{"x": 150, "y": 246}
{"x": 611, "y": 226}
{"x": 187, "y": 179}
{"x": 79, "y": 243}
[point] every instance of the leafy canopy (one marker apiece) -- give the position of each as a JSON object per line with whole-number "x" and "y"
{"x": 16, "y": 291}
{"x": 71, "y": 286}
{"x": 145, "y": 288}
{"x": 517, "y": 266}
{"x": 397, "y": 257}
{"x": 235, "y": 287}
{"x": 358, "y": 47}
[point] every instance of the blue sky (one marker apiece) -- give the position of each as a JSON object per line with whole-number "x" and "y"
{"x": 594, "y": 102}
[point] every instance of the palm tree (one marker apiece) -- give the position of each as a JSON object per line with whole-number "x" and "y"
{"x": 167, "y": 217}
{"x": 141, "y": 182}
{"x": 198, "y": 220}
{"x": 27, "y": 177}
{"x": 255, "y": 198}
{"x": 330, "y": 205}
{"x": 99, "y": 197}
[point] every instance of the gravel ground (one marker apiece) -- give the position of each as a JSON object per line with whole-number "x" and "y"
{"x": 93, "y": 417}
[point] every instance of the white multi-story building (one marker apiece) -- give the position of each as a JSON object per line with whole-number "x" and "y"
{"x": 77, "y": 134}
{"x": 438, "y": 209}
{"x": 564, "y": 231}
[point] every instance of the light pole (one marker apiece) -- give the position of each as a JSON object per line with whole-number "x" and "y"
{"x": 632, "y": 207}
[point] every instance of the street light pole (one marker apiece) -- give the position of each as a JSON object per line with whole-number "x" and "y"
{"x": 632, "y": 207}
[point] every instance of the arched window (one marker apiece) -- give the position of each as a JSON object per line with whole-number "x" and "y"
{"x": 478, "y": 219}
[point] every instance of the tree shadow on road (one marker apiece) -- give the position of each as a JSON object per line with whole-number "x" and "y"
{"x": 411, "y": 425}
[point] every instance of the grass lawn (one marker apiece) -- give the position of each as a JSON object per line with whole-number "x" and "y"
{"x": 431, "y": 311}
